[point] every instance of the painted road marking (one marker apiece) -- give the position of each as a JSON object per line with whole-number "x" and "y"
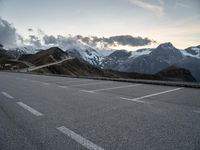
{"x": 87, "y": 91}
{"x": 85, "y": 84}
{"x": 33, "y": 111}
{"x": 105, "y": 89}
{"x": 64, "y": 87}
{"x": 81, "y": 140}
{"x": 135, "y": 100}
{"x": 75, "y": 81}
{"x": 197, "y": 111}
{"x": 7, "y": 95}
{"x": 138, "y": 99}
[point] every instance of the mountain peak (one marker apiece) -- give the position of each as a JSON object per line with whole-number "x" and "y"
{"x": 54, "y": 49}
{"x": 167, "y": 52}
{"x": 167, "y": 45}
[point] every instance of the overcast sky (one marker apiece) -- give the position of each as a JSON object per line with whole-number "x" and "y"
{"x": 176, "y": 21}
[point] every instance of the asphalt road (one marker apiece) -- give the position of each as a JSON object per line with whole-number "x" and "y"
{"x": 60, "y": 113}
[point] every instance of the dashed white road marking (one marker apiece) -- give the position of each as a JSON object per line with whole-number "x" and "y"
{"x": 105, "y": 89}
{"x": 138, "y": 99}
{"x": 94, "y": 83}
{"x": 33, "y": 111}
{"x": 7, "y": 95}
{"x": 81, "y": 140}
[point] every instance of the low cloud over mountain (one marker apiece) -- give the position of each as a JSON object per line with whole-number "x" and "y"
{"x": 64, "y": 42}
{"x": 8, "y": 35}
{"x": 10, "y": 38}
{"x": 120, "y": 40}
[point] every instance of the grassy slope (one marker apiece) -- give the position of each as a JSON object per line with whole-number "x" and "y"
{"x": 42, "y": 57}
{"x": 76, "y": 68}
{"x": 175, "y": 73}
{"x": 18, "y": 65}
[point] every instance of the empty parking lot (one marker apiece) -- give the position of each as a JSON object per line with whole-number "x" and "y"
{"x": 48, "y": 112}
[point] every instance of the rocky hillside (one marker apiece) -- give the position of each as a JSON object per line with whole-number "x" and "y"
{"x": 77, "y": 67}
{"x": 45, "y": 56}
{"x": 152, "y": 61}
{"x": 174, "y": 73}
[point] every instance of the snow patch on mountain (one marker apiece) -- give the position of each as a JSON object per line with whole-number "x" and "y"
{"x": 140, "y": 52}
{"x": 192, "y": 52}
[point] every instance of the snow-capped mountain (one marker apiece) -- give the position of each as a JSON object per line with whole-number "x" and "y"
{"x": 88, "y": 54}
{"x": 161, "y": 57}
{"x": 192, "y": 51}
{"x": 118, "y": 57}
{"x": 151, "y": 61}
{"x": 114, "y": 59}
{"x": 26, "y": 49}
{"x": 148, "y": 61}
{"x": 140, "y": 52}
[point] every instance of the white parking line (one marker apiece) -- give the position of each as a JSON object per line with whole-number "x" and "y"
{"x": 105, "y": 89}
{"x": 85, "y": 84}
{"x": 79, "y": 81}
{"x": 7, "y": 95}
{"x": 197, "y": 111}
{"x": 64, "y": 87}
{"x": 33, "y": 111}
{"x": 138, "y": 99}
{"x": 135, "y": 100}
{"x": 81, "y": 140}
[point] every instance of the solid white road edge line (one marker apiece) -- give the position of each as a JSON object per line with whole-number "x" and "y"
{"x": 151, "y": 95}
{"x": 7, "y": 95}
{"x": 81, "y": 140}
{"x": 33, "y": 111}
{"x": 105, "y": 89}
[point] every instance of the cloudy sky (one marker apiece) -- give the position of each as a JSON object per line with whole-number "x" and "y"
{"x": 116, "y": 23}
